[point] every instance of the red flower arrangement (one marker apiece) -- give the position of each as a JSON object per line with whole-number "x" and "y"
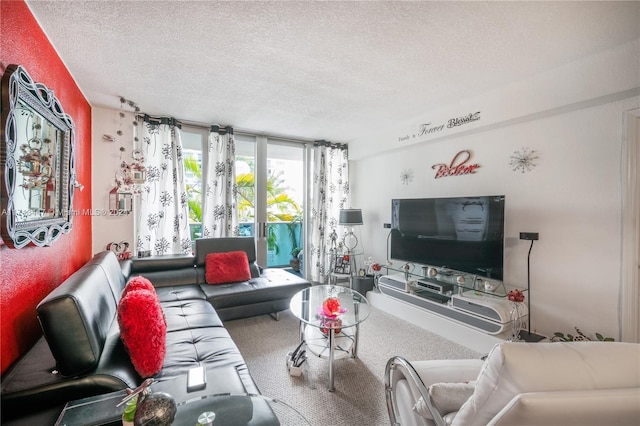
{"x": 329, "y": 312}
{"x": 516, "y": 296}
{"x": 376, "y": 267}
{"x": 331, "y": 307}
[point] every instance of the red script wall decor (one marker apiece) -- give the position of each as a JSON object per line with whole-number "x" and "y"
{"x": 457, "y": 167}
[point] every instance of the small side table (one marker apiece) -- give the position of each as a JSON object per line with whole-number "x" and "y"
{"x": 340, "y": 338}
{"x": 94, "y": 410}
{"x": 335, "y": 277}
{"x": 230, "y": 410}
{"x": 101, "y": 410}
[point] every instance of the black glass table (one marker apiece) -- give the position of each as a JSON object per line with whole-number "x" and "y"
{"x": 224, "y": 409}
{"x": 238, "y": 410}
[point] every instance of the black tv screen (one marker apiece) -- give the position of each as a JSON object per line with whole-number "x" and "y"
{"x": 461, "y": 233}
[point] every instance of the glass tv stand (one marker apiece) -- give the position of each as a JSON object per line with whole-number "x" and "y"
{"x": 444, "y": 282}
{"x": 473, "y": 300}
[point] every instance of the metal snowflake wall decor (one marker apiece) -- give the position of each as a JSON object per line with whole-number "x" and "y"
{"x": 406, "y": 176}
{"x": 523, "y": 160}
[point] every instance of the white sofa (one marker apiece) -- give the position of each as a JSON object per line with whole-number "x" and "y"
{"x": 568, "y": 383}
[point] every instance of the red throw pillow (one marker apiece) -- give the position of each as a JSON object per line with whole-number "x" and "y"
{"x": 138, "y": 283}
{"x": 143, "y": 330}
{"x": 226, "y": 267}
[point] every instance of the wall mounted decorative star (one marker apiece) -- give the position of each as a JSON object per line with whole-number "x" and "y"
{"x": 406, "y": 176}
{"x": 523, "y": 160}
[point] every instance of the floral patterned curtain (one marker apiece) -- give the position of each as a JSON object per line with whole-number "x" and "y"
{"x": 162, "y": 223}
{"x": 220, "y": 207}
{"x": 330, "y": 194}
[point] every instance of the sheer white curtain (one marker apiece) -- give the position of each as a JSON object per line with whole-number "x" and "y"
{"x": 219, "y": 206}
{"x": 330, "y": 194}
{"x": 162, "y": 222}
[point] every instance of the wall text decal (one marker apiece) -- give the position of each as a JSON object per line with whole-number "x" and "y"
{"x": 457, "y": 167}
{"x": 470, "y": 118}
{"x": 430, "y": 128}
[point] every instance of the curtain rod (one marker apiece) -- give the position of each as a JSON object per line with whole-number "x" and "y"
{"x": 331, "y": 144}
{"x": 245, "y": 132}
{"x": 237, "y": 131}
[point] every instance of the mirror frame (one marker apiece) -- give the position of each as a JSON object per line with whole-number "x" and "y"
{"x": 18, "y": 86}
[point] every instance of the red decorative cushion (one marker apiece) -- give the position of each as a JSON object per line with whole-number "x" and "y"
{"x": 143, "y": 330}
{"x": 226, "y": 267}
{"x": 138, "y": 283}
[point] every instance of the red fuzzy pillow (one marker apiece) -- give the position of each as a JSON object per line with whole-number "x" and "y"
{"x": 143, "y": 331}
{"x": 227, "y": 267}
{"x": 138, "y": 283}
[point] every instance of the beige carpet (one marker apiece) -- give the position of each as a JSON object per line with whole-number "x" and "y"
{"x": 359, "y": 396}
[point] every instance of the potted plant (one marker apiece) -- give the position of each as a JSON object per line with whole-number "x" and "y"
{"x": 272, "y": 245}
{"x": 157, "y": 408}
{"x": 295, "y": 261}
{"x": 129, "y": 412}
{"x": 579, "y": 337}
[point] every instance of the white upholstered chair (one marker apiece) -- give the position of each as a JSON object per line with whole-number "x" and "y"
{"x": 568, "y": 383}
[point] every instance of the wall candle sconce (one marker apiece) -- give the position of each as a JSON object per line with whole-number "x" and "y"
{"x": 131, "y": 175}
{"x": 120, "y": 202}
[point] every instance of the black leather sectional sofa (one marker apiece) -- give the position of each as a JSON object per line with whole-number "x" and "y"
{"x": 81, "y": 353}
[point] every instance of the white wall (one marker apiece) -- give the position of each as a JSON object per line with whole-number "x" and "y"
{"x": 612, "y": 74}
{"x": 573, "y": 197}
{"x": 106, "y": 162}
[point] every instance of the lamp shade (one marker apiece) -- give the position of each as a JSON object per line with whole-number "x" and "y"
{"x": 350, "y": 217}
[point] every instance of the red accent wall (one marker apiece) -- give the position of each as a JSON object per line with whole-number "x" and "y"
{"x": 30, "y": 273}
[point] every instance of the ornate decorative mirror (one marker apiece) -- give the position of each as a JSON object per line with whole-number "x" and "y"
{"x": 37, "y": 159}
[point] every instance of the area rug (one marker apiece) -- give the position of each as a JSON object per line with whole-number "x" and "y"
{"x": 359, "y": 397}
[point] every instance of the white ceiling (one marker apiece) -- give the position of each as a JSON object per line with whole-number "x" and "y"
{"x": 318, "y": 70}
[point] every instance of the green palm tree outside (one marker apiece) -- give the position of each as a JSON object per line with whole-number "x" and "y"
{"x": 280, "y": 206}
{"x": 194, "y": 190}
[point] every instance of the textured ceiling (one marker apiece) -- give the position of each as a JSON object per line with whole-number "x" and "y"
{"x": 318, "y": 70}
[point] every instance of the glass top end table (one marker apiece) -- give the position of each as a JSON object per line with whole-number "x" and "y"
{"x": 332, "y": 336}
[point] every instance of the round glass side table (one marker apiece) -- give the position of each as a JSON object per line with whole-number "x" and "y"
{"x": 330, "y": 338}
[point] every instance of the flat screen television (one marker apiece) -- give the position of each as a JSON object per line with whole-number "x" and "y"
{"x": 460, "y": 233}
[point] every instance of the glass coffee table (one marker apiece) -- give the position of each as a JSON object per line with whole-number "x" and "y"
{"x": 238, "y": 410}
{"x": 223, "y": 409}
{"x": 333, "y": 336}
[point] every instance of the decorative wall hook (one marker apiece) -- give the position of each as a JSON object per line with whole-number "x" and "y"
{"x": 78, "y": 185}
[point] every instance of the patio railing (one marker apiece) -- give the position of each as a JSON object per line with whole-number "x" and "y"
{"x": 279, "y": 246}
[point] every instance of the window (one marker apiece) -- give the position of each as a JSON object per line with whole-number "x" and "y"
{"x": 278, "y": 209}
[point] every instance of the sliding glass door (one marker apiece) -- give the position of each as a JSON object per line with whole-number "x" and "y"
{"x": 271, "y": 181}
{"x": 285, "y": 174}
{"x": 270, "y": 177}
